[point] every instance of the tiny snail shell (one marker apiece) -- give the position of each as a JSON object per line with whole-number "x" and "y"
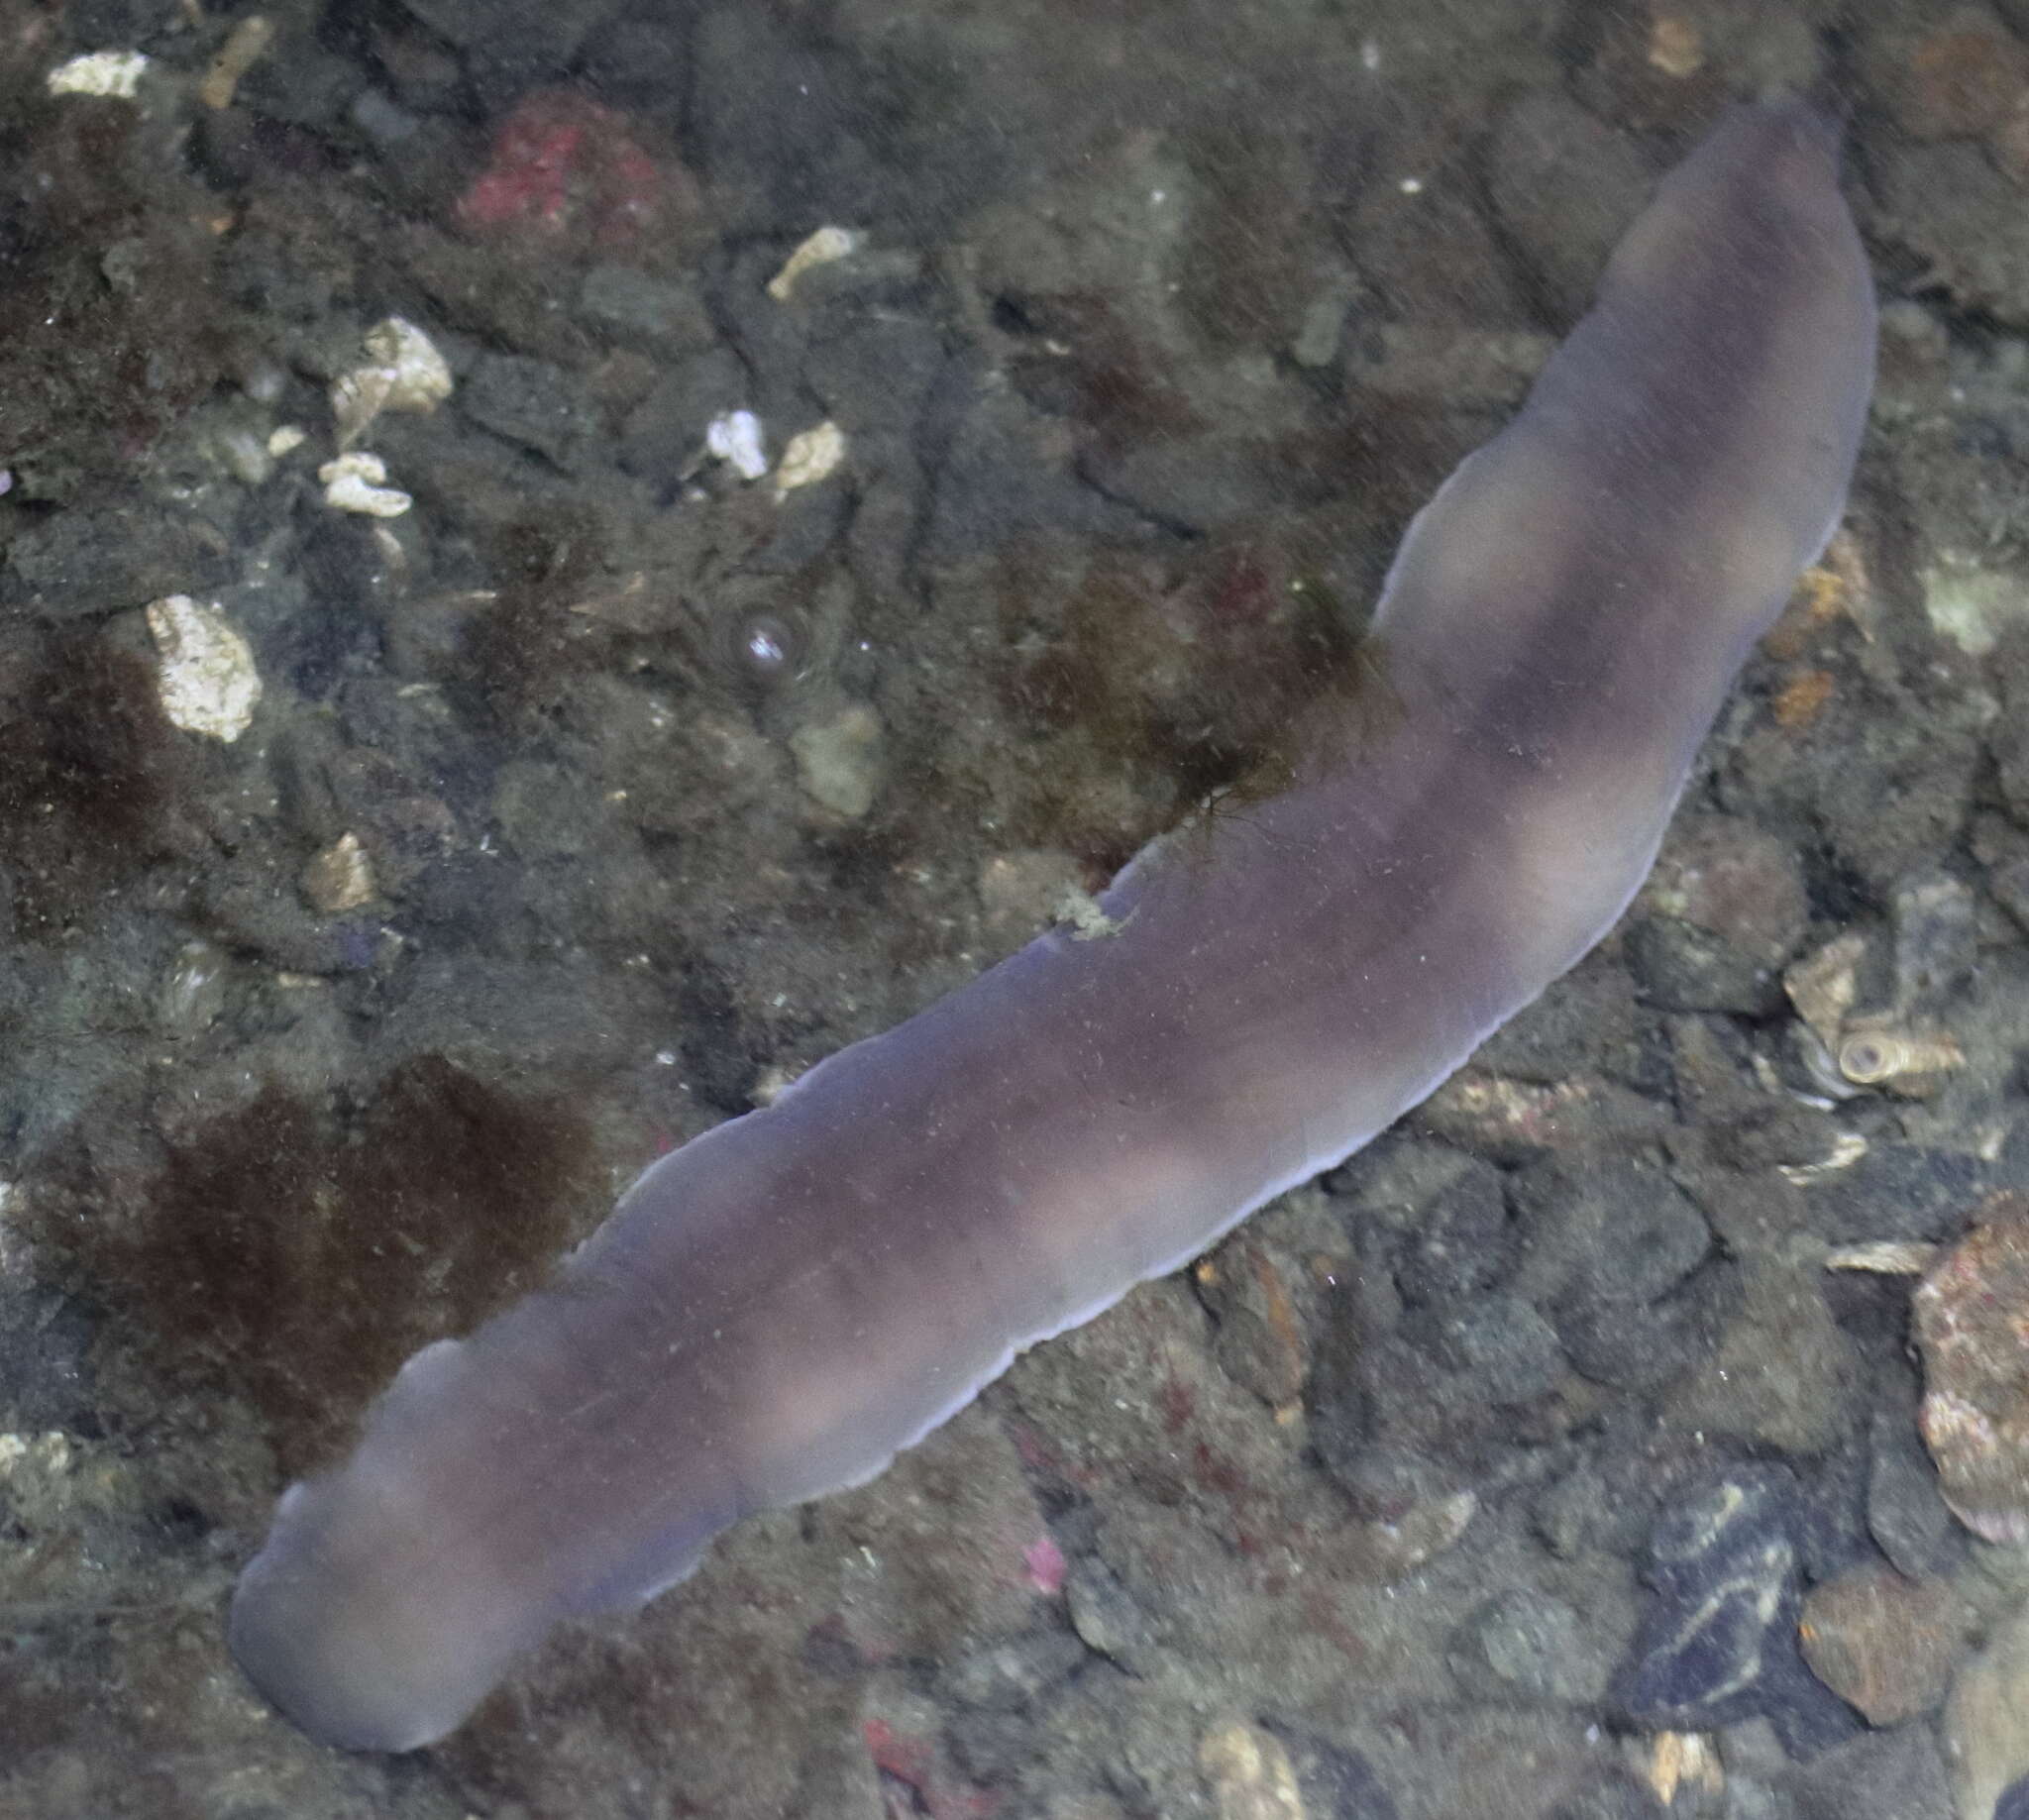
{"x": 1872, "y": 1057}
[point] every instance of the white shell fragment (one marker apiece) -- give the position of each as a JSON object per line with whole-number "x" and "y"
{"x": 811, "y": 455}
{"x": 114, "y": 74}
{"x": 1848, "y": 1147}
{"x": 1081, "y": 912}
{"x": 820, "y": 248}
{"x": 1885, "y": 1258}
{"x": 734, "y": 437}
{"x": 207, "y": 681}
{"x": 354, "y": 484}
{"x": 403, "y": 373}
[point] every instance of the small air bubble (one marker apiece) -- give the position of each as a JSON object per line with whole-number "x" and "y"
{"x": 770, "y": 649}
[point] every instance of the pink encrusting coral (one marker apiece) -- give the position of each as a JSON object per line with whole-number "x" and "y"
{"x": 563, "y": 164}
{"x": 1046, "y": 1566}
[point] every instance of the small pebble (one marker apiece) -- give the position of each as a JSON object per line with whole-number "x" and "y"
{"x": 839, "y": 761}
{"x": 1529, "y": 1642}
{"x": 1883, "y": 1643}
{"x": 1936, "y": 922}
{"x": 1902, "y": 1192}
{"x": 1007, "y": 1676}
{"x": 1730, "y": 878}
{"x": 1507, "y": 1350}
{"x": 1408, "y": 1513}
{"x": 1782, "y": 1374}
{"x": 1879, "y": 1775}
{"x": 1724, "y": 909}
{"x": 1262, "y": 1341}
{"x": 339, "y": 879}
{"x": 1249, "y": 1774}
{"x": 1906, "y": 1514}
{"x": 1107, "y": 1617}
{"x": 192, "y": 994}
{"x": 1986, "y": 1724}
{"x": 1463, "y": 1242}
{"x": 1960, "y": 79}
{"x": 1717, "y": 1641}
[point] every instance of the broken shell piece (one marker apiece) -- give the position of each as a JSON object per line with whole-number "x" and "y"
{"x": 1822, "y": 986}
{"x": 111, "y": 73}
{"x": 339, "y": 879}
{"x": 352, "y": 483}
{"x": 1820, "y": 1069}
{"x": 811, "y": 455}
{"x": 1249, "y": 1774}
{"x": 770, "y": 1084}
{"x": 820, "y": 248}
{"x": 1848, "y": 1147}
{"x": 404, "y": 373}
{"x": 1908, "y": 1062}
{"x": 357, "y": 398}
{"x": 1081, "y": 912}
{"x": 245, "y": 47}
{"x": 1684, "y": 1762}
{"x": 734, "y": 437}
{"x": 207, "y": 681}
{"x": 1884, "y": 1258}
{"x": 1676, "y": 48}
{"x": 422, "y": 378}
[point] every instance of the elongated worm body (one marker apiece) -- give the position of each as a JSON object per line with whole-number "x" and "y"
{"x": 776, "y": 1307}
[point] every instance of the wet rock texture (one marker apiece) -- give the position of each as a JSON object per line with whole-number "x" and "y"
{"x": 878, "y": 468}
{"x": 1718, "y": 1641}
{"x": 1970, "y": 1324}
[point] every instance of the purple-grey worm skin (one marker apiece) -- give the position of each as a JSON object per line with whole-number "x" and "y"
{"x": 776, "y": 1307}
